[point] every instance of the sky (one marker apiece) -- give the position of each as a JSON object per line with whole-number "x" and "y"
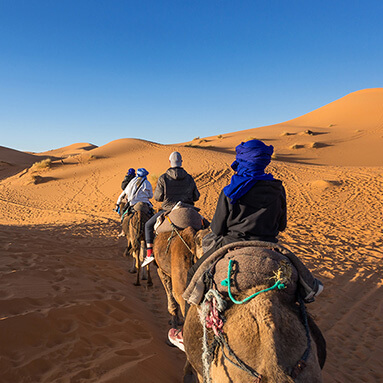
{"x": 171, "y": 70}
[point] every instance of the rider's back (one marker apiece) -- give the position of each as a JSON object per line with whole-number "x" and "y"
{"x": 176, "y": 185}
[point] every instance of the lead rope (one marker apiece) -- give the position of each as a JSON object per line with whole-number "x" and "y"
{"x": 177, "y": 232}
{"x": 210, "y": 310}
{"x": 212, "y": 305}
{"x": 226, "y": 282}
{"x": 301, "y": 364}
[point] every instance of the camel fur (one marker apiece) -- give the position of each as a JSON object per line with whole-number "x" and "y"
{"x": 134, "y": 228}
{"x": 174, "y": 260}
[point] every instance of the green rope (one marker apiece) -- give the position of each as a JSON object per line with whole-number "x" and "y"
{"x": 226, "y": 282}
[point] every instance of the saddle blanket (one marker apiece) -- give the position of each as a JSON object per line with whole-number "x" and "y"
{"x": 257, "y": 262}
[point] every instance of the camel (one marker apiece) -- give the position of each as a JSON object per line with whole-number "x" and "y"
{"x": 134, "y": 228}
{"x": 174, "y": 256}
{"x": 265, "y": 337}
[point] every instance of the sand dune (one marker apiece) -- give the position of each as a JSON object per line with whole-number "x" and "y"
{"x": 346, "y": 132}
{"x": 69, "y": 150}
{"x": 68, "y": 309}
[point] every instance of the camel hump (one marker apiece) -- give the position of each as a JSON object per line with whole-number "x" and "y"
{"x": 256, "y": 266}
{"x": 182, "y": 218}
{"x": 142, "y": 207}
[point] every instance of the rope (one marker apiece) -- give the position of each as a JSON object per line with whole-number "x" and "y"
{"x": 212, "y": 305}
{"x": 169, "y": 240}
{"x": 208, "y": 352}
{"x": 301, "y": 364}
{"x": 238, "y": 362}
{"x": 226, "y": 282}
{"x": 175, "y": 229}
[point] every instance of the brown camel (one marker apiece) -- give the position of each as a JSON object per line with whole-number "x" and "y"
{"x": 262, "y": 340}
{"x": 174, "y": 254}
{"x": 265, "y": 335}
{"x": 133, "y": 226}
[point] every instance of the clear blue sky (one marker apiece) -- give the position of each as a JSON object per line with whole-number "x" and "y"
{"x": 168, "y": 71}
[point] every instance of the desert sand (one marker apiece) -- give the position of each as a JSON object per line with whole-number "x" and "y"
{"x": 68, "y": 309}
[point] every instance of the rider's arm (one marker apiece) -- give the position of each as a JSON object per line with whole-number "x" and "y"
{"x": 283, "y": 218}
{"x": 122, "y": 195}
{"x": 196, "y": 193}
{"x": 159, "y": 191}
{"x": 219, "y": 222}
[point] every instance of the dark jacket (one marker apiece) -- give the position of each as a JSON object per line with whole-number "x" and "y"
{"x": 176, "y": 185}
{"x": 258, "y": 215}
{"x": 127, "y": 179}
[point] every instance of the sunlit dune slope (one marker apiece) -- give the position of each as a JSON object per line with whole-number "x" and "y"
{"x": 69, "y": 150}
{"x": 346, "y": 132}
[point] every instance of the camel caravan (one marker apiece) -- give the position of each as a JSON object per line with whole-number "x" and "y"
{"x": 236, "y": 297}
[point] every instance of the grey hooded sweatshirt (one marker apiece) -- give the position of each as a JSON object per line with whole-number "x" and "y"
{"x": 176, "y": 185}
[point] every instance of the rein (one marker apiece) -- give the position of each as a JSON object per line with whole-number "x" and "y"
{"x": 301, "y": 364}
{"x": 212, "y": 305}
{"x": 177, "y": 232}
{"x": 226, "y": 282}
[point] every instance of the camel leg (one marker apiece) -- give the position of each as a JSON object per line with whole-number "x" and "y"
{"x": 145, "y": 270}
{"x": 133, "y": 268}
{"x": 189, "y": 374}
{"x": 144, "y": 273}
{"x": 172, "y": 304}
{"x": 180, "y": 264}
{"x": 138, "y": 266}
{"x": 150, "y": 281}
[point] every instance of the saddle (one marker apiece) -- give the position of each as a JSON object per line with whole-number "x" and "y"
{"x": 181, "y": 216}
{"x": 256, "y": 263}
{"x": 143, "y": 207}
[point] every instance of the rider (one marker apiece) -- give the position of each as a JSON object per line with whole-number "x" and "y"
{"x": 128, "y": 177}
{"x": 251, "y": 207}
{"x": 124, "y": 202}
{"x": 138, "y": 189}
{"x": 173, "y": 186}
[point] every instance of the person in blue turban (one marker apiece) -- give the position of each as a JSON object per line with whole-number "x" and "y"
{"x": 252, "y": 207}
{"x": 138, "y": 189}
{"x": 128, "y": 177}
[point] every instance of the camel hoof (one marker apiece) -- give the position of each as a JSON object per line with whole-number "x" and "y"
{"x": 150, "y": 284}
{"x": 132, "y": 271}
{"x": 136, "y": 284}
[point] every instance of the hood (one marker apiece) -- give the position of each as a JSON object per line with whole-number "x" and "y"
{"x": 176, "y": 173}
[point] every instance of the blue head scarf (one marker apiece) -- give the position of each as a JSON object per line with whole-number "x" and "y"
{"x": 142, "y": 172}
{"x": 252, "y": 158}
{"x": 132, "y": 172}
